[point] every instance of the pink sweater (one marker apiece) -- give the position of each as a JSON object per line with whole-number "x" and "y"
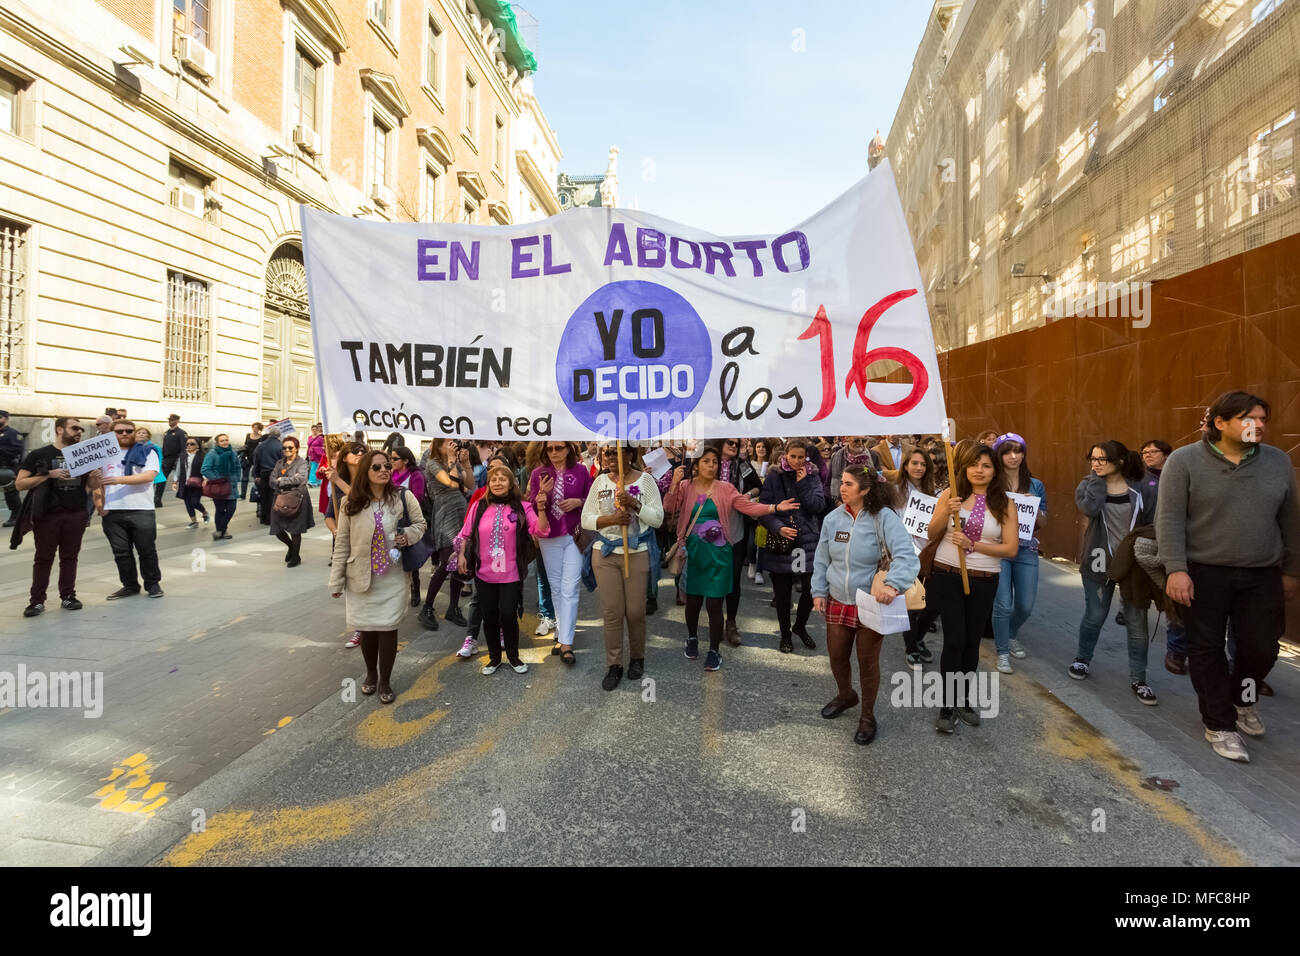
{"x": 683, "y": 497}
{"x": 507, "y": 564}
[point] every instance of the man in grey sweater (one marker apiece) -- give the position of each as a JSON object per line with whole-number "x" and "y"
{"x": 1228, "y": 531}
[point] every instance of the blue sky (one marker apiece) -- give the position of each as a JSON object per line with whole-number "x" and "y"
{"x": 720, "y": 122}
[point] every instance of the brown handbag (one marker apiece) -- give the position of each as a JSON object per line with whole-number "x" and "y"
{"x": 915, "y": 593}
{"x": 287, "y": 504}
{"x": 677, "y": 553}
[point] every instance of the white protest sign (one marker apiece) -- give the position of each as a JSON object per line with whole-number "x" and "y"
{"x": 920, "y": 509}
{"x": 656, "y": 462}
{"x": 285, "y": 426}
{"x": 97, "y": 452}
{"x": 612, "y": 323}
{"x": 1026, "y": 513}
{"x": 888, "y": 618}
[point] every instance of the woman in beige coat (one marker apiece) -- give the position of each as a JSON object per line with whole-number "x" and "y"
{"x": 367, "y": 564}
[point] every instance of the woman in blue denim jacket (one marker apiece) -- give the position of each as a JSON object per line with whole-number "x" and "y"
{"x": 1018, "y": 582}
{"x": 848, "y": 552}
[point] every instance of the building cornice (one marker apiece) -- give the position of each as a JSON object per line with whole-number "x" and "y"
{"x": 436, "y": 142}
{"x": 486, "y": 64}
{"x": 472, "y": 183}
{"x": 320, "y": 16}
{"x": 384, "y": 86}
{"x": 536, "y": 182}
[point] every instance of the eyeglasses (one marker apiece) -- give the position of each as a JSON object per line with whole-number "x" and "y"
{"x": 381, "y": 466}
{"x": 124, "y": 431}
{"x": 188, "y": 444}
{"x": 729, "y": 442}
{"x": 555, "y": 448}
{"x": 1099, "y": 461}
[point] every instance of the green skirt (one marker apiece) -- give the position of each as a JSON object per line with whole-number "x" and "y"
{"x": 708, "y": 568}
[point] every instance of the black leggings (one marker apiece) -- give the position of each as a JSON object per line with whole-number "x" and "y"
{"x": 782, "y": 585}
{"x": 500, "y": 604}
{"x": 737, "y": 569}
{"x": 964, "y": 617}
{"x": 439, "y": 575}
{"x": 194, "y": 502}
{"x": 714, "y": 604}
{"x": 920, "y": 621}
{"x": 292, "y": 542}
{"x": 379, "y": 647}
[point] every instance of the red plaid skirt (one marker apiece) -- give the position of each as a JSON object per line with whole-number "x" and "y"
{"x": 843, "y": 614}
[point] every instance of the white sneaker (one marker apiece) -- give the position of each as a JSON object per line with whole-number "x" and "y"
{"x": 520, "y": 668}
{"x": 1017, "y": 649}
{"x": 544, "y": 626}
{"x": 1227, "y": 743}
{"x": 1248, "y": 721}
{"x": 1004, "y": 664}
{"x": 758, "y": 578}
{"x": 469, "y": 648}
{"x": 489, "y": 669}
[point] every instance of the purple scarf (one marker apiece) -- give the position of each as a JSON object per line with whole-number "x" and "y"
{"x": 973, "y": 526}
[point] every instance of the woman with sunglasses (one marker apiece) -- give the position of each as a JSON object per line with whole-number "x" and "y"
{"x": 617, "y": 503}
{"x": 289, "y": 477}
{"x": 448, "y": 484}
{"x": 338, "y": 478}
{"x": 222, "y": 461}
{"x": 407, "y": 474}
{"x": 187, "y": 481}
{"x": 704, "y": 508}
{"x": 559, "y": 487}
{"x": 739, "y": 473}
{"x": 987, "y": 534}
{"x": 367, "y": 565}
{"x": 1115, "y": 500}
{"x": 1018, "y": 582}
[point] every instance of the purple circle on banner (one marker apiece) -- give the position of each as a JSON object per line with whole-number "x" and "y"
{"x": 633, "y": 360}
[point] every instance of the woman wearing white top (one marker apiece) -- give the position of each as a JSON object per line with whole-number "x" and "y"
{"x": 612, "y": 505}
{"x": 989, "y": 533}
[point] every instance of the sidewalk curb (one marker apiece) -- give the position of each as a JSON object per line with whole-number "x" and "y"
{"x": 1214, "y": 808}
{"x": 173, "y": 823}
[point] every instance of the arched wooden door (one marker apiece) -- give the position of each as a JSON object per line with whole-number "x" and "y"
{"x": 288, "y": 367}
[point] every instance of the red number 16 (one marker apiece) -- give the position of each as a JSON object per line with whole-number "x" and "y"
{"x": 862, "y": 357}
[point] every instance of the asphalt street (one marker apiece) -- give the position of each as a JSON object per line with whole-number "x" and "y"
{"x": 232, "y": 692}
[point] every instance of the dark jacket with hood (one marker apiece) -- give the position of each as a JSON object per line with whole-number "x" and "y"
{"x": 1090, "y": 497}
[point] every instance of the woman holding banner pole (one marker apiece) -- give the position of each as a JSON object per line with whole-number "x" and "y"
{"x": 987, "y": 534}
{"x": 625, "y": 512}
{"x": 560, "y": 487}
{"x": 916, "y": 477}
{"x": 1018, "y": 582}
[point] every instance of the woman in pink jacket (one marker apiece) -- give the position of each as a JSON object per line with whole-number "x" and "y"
{"x": 497, "y": 548}
{"x": 704, "y": 506}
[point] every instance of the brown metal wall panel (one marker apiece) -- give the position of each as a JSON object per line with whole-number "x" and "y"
{"x": 1232, "y": 324}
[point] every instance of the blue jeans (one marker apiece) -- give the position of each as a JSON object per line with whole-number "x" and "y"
{"x": 1017, "y": 589}
{"x": 1096, "y": 608}
{"x": 544, "y": 606}
{"x": 1175, "y": 640}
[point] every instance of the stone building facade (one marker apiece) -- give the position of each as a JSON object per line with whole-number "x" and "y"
{"x": 153, "y": 157}
{"x": 1090, "y": 146}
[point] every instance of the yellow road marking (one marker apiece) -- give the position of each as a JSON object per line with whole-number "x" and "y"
{"x": 232, "y": 836}
{"x": 1072, "y": 737}
{"x": 131, "y": 774}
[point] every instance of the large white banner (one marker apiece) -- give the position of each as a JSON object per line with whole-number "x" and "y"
{"x": 604, "y": 322}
